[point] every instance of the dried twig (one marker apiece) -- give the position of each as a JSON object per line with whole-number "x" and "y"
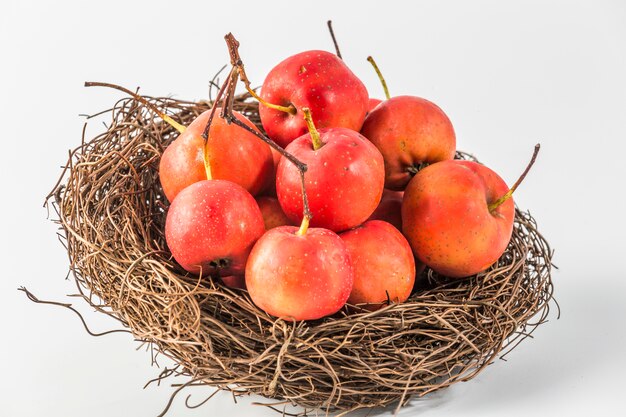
{"x": 111, "y": 210}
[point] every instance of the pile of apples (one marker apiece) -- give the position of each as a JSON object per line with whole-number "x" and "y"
{"x": 375, "y": 198}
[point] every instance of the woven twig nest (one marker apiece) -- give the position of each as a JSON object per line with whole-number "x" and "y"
{"x": 112, "y": 211}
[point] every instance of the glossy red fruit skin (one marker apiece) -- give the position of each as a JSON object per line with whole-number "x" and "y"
{"x": 235, "y": 281}
{"x": 372, "y": 103}
{"x": 344, "y": 179}
{"x": 390, "y": 208}
{"x": 383, "y": 264}
{"x": 446, "y": 218}
{"x": 271, "y": 189}
{"x": 299, "y": 277}
{"x": 273, "y": 214}
{"x": 213, "y": 221}
{"x": 409, "y": 131}
{"x": 234, "y": 155}
{"x": 320, "y": 81}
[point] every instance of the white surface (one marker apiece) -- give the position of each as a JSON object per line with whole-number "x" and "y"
{"x": 508, "y": 75}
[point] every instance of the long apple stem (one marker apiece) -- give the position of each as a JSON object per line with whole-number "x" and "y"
{"x": 220, "y": 93}
{"x": 143, "y": 101}
{"x": 493, "y": 206}
{"x": 235, "y": 60}
{"x": 207, "y": 128}
{"x": 380, "y": 76}
{"x": 302, "y": 167}
{"x": 227, "y": 114}
{"x": 332, "y": 35}
{"x": 315, "y": 135}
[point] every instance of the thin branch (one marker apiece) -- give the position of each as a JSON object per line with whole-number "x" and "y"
{"x": 36, "y": 300}
{"x": 332, "y": 35}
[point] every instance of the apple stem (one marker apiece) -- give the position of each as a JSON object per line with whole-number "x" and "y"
{"x": 220, "y": 93}
{"x": 380, "y": 76}
{"x": 207, "y": 164}
{"x": 207, "y": 128}
{"x": 493, "y": 206}
{"x": 315, "y": 135}
{"x": 332, "y": 35}
{"x": 302, "y": 167}
{"x": 235, "y": 60}
{"x": 143, "y": 101}
{"x": 304, "y": 226}
{"x": 227, "y": 114}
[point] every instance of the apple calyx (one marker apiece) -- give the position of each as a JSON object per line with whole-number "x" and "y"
{"x": 415, "y": 168}
{"x": 493, "y": 206}
{"x": 380, "y": 76}
{"x": 315, "y": 135}
{"x": 236, "y": 62}
{"x": 143, "y": 101}
{"x": 220, "y": 263}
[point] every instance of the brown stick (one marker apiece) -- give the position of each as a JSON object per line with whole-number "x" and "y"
{"x": 34, "y": 299}
{"x": 205, "y": 132}
{"x": 235, "y": 61}
{"x": 332, "y": 35}
{"x": 227, "y": 114}
{"x": 143, "y": 101}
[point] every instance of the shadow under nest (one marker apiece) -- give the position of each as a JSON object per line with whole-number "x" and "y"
{"x": 112, "y": 211}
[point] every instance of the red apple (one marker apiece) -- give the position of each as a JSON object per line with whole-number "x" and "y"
{"x": 344, "y": 179}
{"x": 390, "y": 208}
{"x": 384, "y": 268}
{"x": 273, "y": 214}
{"x": 320, "y": 81}
{"x": 211, "y": 227}
{"x": 410, "y": 132}
{"x": 299, "y": 276}
{"x": 447, "y": 219}
{"x": 233, "y": 154}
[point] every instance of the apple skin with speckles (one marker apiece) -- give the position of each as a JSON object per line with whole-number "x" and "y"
{"x": 211, "y": 227}
{"x": 409, "y": 131}
{"x": 234, "y": 155}
{"x": 299, "y": 277}
{"x": 344, "y": 179}
{"x": 446, "y": 219}
{"x": 320, "y": 81}
{"x": 383, "y": 264}
{"x": 273, "y": 214}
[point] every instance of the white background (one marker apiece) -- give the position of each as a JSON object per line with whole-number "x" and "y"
{"x": 508, "y": 74}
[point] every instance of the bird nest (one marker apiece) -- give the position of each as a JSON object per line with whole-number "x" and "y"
{"x": 112, "y": 210}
